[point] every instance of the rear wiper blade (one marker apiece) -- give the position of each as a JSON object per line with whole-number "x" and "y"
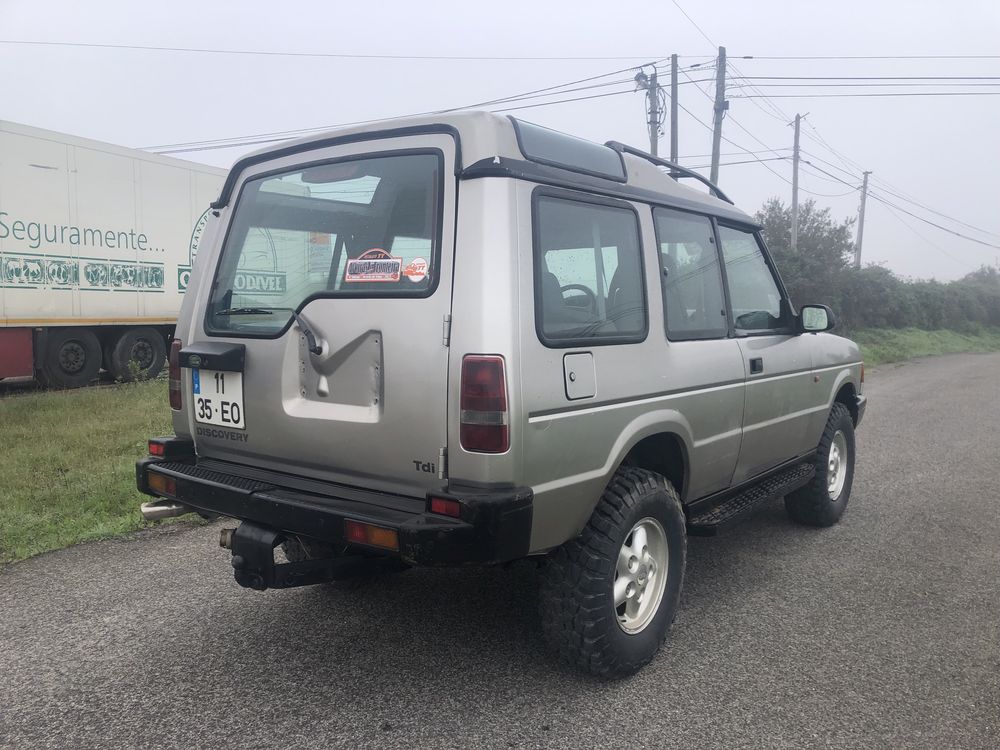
{"x": 307, "y": 332}
{"x": 245, "y": 311}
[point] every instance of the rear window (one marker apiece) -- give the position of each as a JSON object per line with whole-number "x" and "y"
{"x": 365, "y": 227}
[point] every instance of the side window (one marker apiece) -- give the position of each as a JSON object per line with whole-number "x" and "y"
{"x": 693, "y": 301}
{"x": 588, "y": 275}
{"x": 753, "y": 291}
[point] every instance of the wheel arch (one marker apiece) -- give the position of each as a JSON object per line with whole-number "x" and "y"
{"x": 847, "y": 395}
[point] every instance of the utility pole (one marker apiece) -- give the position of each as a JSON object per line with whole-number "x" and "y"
{"x": 653, "y": 96}
{"x": 795, "y": 187}
{"x": 652, "y": 88}
{"x": 721, "y": 105}
{"x": 673, "y": 108}
{"x": 861, "y": 222}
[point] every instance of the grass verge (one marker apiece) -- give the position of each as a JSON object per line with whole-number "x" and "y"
{"x": 880, "y": 346}
{"x": 67, "y": 464}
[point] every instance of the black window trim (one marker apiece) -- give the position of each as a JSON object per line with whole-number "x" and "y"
{"x": 713, "y": 238}
{"x": 561, "y": 165}
{"x": 543, "y": 191}
{"x": 784, "y": 303}
{"x": 437, "y": 240}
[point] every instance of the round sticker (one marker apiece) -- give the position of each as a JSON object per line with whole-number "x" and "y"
{"x": 416, "y": 270}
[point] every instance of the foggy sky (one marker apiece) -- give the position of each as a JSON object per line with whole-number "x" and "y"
{"x": 942, "y": 151}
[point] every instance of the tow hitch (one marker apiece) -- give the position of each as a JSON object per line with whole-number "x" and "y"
{"x": 254, "y": 567}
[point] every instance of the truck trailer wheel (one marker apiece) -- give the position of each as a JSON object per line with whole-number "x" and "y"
{"x": 72, "y": 358}
{"x": 823, "y": 501}
{"x": 609, "y": 596}
{"x": 138, "y": 354}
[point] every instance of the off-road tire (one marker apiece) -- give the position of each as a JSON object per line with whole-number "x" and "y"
{"x": 811, "y": 505}
{"x": 578, "y": 614}
{"x": 72, "y": 358}
{"x": 144, "y": 343}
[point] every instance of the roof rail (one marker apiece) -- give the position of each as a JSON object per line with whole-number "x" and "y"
{"x": 676, "y": 170}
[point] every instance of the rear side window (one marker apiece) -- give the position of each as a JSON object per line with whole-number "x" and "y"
{"x": 588, "y": 273}
{"x": 693, "y": 300}
{"x": 360, "y": 228}
{"x": 753, "y": 291}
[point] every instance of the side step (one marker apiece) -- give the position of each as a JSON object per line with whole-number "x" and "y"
{"x": 712, "y": 520}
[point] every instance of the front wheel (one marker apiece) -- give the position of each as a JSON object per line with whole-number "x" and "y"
{"x": 823, "y": 501}
{"x": 609, "y": 596}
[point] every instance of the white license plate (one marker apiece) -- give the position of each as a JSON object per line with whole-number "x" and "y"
{"x": 218, "y": 397}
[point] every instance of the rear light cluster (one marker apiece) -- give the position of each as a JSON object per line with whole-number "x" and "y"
{"x": 484, "y": 418}
{"x": 373, "y": 536}
{"x": 174, "y": 377}
{"x": 443, "y": 506}
{"x": 161, "y": 485}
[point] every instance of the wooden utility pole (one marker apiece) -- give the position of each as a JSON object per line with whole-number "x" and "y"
{"x": 721, "y": 105}
{"x": 861, "y": 222}
{"x": 673, "y": 108}
{"x": 795, "y": 187}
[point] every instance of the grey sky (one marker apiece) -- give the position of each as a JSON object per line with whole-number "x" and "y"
{"x": 942, "y": 151}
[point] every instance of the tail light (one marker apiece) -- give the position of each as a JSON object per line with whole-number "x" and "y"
{"x": 484, "y": 418}
{"x": 174, "y": 378}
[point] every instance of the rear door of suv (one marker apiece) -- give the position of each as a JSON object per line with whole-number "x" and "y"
{"x": 335, "y": 275}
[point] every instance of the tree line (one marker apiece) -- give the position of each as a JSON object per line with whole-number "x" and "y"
{"x": 821, "y": 271}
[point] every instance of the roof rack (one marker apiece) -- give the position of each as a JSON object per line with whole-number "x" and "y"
{"x": 676, "y": 170}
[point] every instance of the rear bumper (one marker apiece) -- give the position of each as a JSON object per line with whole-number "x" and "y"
{"x": 495, "y": 525}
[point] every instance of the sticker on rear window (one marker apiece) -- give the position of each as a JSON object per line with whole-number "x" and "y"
{"x": 416, "y": 270}
{"x": 373, "y": 265}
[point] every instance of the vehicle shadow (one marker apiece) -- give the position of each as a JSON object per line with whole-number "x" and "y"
{"x": 442, "y": 625}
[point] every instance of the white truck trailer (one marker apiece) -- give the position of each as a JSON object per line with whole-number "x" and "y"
{"x": 96, "y": 247}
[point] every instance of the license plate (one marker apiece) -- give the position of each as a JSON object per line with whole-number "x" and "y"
{"x": 218, "y": 397}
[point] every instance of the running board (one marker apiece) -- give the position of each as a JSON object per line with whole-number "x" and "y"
{"x": 710, "y": 522}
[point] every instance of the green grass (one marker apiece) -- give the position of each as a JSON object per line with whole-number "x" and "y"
{"x": 67, "y": 464}
{"x": 880, "y": 346}
{"x": 67, "y": 458}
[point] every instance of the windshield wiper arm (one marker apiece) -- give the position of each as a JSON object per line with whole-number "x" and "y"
{"x": 245, "y": 311}
{"x": 311, "y": 344}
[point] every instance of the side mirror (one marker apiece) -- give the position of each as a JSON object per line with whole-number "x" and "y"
{"x": 815, "y": 318}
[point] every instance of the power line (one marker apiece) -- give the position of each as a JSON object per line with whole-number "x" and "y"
{"x": 868, "y": 57}
{"x": 273, "y": 136}
{"x": 885, "y": 94}
{"x": 693, "y": 23}
{"x": 217, "y": 146}
{"x": 881, "y": 199}
{"x": 913, "y": 229}
{"x": 334, "y": 55}
{"x": 870, "y": 78}
{"x": 867, "y": 85}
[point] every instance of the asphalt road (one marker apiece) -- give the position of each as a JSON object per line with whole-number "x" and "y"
{"x": 881, "y": 632}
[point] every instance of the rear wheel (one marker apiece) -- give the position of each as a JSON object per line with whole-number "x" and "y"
{"x": 610, "y": 595}
{"x": 72, "y": 358}
{"x": 138, "y": 354}
{"x": 823, "y": 501}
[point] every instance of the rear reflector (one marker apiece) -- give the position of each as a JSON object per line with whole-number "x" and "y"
{"x": 484, "y": 416}
{"x": 374, "y": 536}
{"x": 161, "y": 485}
{"x": 446, "y": 507}
{"x": 174, "y": 377}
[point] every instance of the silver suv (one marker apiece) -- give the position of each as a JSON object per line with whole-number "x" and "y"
{"x": 470, "y": 339}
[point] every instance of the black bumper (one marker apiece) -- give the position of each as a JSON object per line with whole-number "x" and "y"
{"x": 494, "y": 525}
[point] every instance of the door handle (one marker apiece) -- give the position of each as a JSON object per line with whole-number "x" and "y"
{"x": 756, "y": 365}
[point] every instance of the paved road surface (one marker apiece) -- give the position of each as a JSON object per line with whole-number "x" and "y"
{"x": 881, "y": 632}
